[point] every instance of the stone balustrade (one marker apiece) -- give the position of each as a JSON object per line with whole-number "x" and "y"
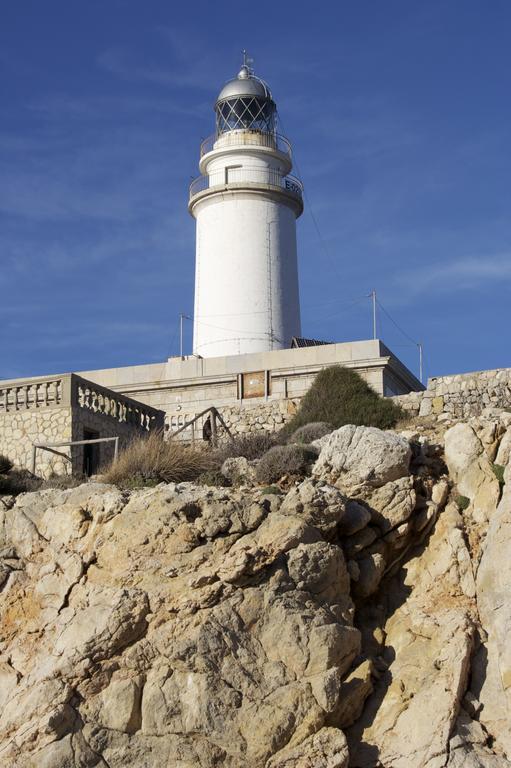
{"x": 123, "y": 409}
{"x": 67, "y": 408}
{"x": 73, "y": 391}
{"x": 34, "y": 393}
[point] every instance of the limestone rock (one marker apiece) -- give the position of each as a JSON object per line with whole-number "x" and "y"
{"x": 469, "y": 747}
{"x": 504, "y": 450}
{"x": 355, "y": 518}
{"x": 239, "y": 471}
{"x": 320, "y": 569}
{"x": 392, "y": 504}
{"x": 493, "y": 584}
{"x": 471, "y": 470}
{"x": 356, "y": 457}
{"x": 325, "y": 749}
{"x": 177, "y": 625}
{"x": 428, "y": 644}
{"x": 201, "y": 627}
{"x": 321, "y": 506}
{"x": 275, "y": 536}
{"x": 371, "y": 569}
{"x": 353, "y": 692}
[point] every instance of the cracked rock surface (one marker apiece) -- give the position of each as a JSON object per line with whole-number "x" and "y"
{"x": 358, "y": 618}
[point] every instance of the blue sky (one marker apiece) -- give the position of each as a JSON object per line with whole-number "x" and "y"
{"x": 400, "y": 118}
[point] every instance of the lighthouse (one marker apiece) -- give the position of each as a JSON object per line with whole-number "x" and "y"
{"x": 245, "y": 203}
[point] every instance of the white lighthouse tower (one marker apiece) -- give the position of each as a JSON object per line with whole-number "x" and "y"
{"x": 246, "y": 205}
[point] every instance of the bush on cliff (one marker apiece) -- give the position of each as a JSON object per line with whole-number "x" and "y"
{"x": 18, "y": 481}
{"x": 340, "y": 396}
{"x": 5, "y": 464}
{"x": 285, "y": 460}
{"x": 151, "y": 460}
{"x": 14, "y": 481}
{"x": 309, "y": 432}
{"x": 251, "y": 446}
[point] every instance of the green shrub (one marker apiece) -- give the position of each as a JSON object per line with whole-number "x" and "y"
{"x": 5, "y": 464}
{"x": 19, "y": 481}
{"x": 340, "y": 396}
{"x": 150, "y": 460}
{"x": 499, "y": 473}
{"x": 214, "y": 478}
{"x": 269, "y": 490}
{"x": 251, "y": 446}
{"x": 285, "y": 460}
{"x": 310, "y": 432}
{"x": 462, "y": 503}
{"x": 62, "y": 482}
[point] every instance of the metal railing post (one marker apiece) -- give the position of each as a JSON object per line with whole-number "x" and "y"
{"x": 213, "y": 428}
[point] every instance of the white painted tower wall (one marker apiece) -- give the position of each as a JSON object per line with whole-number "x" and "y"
{"x": 246, "y": 281}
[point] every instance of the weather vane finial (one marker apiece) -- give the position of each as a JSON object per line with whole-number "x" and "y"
{"x": 247, "y": 62}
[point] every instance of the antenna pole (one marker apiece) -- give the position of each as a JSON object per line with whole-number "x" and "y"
{"x": 182, "y": 317}
{"x": 420, "y": 362}
{"x": 373, "y": 297}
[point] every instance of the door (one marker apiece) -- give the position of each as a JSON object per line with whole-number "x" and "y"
{"x": 91, "y": 456}
{"x": 232, "y": 173}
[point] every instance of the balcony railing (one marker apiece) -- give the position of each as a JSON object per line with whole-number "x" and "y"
{"x": 92, "y": 397}
{"x": 48, "y": 392}
{"x": 264, "y": 176}
{"x": 71, "y": 391}
{"x": 247, "y": 138}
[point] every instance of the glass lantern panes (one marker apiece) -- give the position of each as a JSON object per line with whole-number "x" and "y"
{"x": 245, "y": 113}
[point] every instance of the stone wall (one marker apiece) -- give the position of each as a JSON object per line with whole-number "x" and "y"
{"x": 19, "y": 430}
{"x": 104, "y": 426}
{"x": 268, "y": 417}
{"x": 460, "y": 396}
{"x": 98, "y": 409}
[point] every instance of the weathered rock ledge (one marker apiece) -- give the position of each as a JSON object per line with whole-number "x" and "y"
{"x": 359, "y": 619}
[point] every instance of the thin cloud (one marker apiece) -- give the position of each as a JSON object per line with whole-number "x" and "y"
{"x": 58, "y": 106}
{"x": 194, "y": 75}
{"x": 463, "y": 274}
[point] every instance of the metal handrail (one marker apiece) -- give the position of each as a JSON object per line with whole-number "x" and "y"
{"x": 269, "y": 176}
{"x": 214, "y": 415}
{"x": 247, "y": 138}
{"x": 50, "y": 447}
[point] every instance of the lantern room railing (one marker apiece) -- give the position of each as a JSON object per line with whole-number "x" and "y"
{"x": 247, "y": 138}
{"x": 251, "y": 176}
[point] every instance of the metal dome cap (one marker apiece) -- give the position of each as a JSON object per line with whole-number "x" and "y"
{"x": 245, "y": 84}
{"x": 245, "y": 103}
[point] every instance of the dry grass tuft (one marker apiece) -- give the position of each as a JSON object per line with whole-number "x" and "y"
{"x": 151, "y": 460}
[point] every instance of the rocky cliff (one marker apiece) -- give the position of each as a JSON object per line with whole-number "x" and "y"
{"x": 358, "y": 617}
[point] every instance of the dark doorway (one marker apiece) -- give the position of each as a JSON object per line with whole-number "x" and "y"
{"x": 90, "y": 453}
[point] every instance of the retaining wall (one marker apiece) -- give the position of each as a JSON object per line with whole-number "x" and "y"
{"x": 460, "y": 396}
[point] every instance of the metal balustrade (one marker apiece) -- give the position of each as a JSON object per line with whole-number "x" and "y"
{"x": 243, "y": 138}
{"x": 253, "y": 176}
